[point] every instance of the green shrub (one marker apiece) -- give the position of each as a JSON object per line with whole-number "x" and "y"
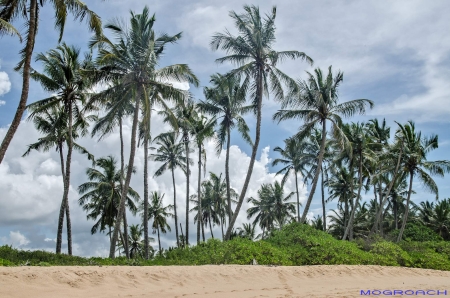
{"x": 416, "y": 232}
{"x": 392, "y": 252}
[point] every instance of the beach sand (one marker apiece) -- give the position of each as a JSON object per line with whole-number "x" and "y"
{"x": 215, "y": 281}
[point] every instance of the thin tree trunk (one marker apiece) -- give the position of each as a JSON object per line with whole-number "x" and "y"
{"x": 69, "y": 228}
{"x": 127, "y": 178}
{"x": 377, "y": 219}
{"x": 352, "y": 215}
{"x": 182, "y": 235}
{"x": 210, "y": 228}
{"x": 199, "y": 206}
{"x": 146, "y": 195}
{"x": 298, "y": 197}
{"x": 122, "y": 166}
{"x": 159, "y": 242}
{"x": 395, "y": 207}
{"x": 316, "y": 174}
{"x": 203, "y": 232}
{"x": 186, "y": 148}
{"x": 227, "y": 175}
{"x": 405, "y": 216}
{"x": 63, "y": 206}
{"x": 259, "y": 93}
{"x": 221, "y": 226}
{"x": 32, "y": 28}
{"x": 121, "y": 239}
{"x": 380, "y": 227}
{"x": 175, "y": 208}
{"x": 324, "y": 218}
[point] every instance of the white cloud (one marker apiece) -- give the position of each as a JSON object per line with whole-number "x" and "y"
{"x": 5, "y": 84}
{"x": 15, "y": 239}
{"x": 2, "y": 102}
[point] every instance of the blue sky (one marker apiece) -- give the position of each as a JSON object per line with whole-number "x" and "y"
{"x": 394, "y": 53}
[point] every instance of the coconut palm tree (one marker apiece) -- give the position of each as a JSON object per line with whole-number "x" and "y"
{"x": 225, "y": 101}
{"x": 63, "y": 77}
{"x": 132, "y": 62}
{"x": 256, "y": 60}
{"x": 7, "y": 28}
{"x": 170, "y": 153}
{"x": 414, "y": 162}
{"x": 159, "y": 214}
{"x": 316, "y": 102}
{"x": 136, "y": 242}
{"x": 10, "y": 10}
{"x": 101, "y": 195}
{"x": 248, "y": 231}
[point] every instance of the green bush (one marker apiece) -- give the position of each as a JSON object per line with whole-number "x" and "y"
{"x": 416, "y": 232}
{"x": 392, "y": 252}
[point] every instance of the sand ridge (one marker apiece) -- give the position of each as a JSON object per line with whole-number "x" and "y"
{"x": 215, "y": 281}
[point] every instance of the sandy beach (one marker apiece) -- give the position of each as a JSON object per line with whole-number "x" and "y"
{"x": 216, "y": 281}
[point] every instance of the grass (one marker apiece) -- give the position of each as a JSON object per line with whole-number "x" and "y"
{"x": 295, "y": 244}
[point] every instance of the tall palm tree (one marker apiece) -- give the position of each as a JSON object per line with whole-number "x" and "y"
{"x": 10, "y": 10}
{"x": 203, "y": 129}
{"x": 101, "y": 195}
{"x": 63, "y": 77}
{"x": 252, "y": 52}
{"x": 170, "y": 153}
{"x": 316, "y": 102}
{"x": 132, "y": 62}
{"x": 159, "y": 214}
{"x": 414, "y": 163}
{"x": 295, "y": 160}
{"x": 225, "y": 101}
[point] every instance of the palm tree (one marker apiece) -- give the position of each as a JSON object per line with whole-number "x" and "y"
{"x": 131, "y": 62}
{"x": 136, "y": 242}
{"x": 252, "y": 52}
{"x": 414, "y": 162}
{"x": 272, "y": 206}
{"x": 247, "y": 231}
{"x": 10, "y": 10}
{"x": 171, "y": 155}
{"x": 159, "y": 214}
{"x": 225, "y": 100}
{"x": 295, "y": 160}
{"x": 316, "y": 102}
{"x": 62, "y": 76}
{"x": 7, "y": 28}
{"x": 101, "y": 195}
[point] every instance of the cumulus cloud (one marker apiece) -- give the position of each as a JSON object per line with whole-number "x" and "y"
{"x": 15, "y": 239}
{"x": 5, "y": 85}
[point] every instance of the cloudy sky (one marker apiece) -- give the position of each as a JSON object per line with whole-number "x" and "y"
{"x": 394, "y": 53}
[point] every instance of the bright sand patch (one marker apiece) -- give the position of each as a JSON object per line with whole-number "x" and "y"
{"x": 215, "y": 281}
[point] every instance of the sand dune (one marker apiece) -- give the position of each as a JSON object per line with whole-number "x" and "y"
{"x": 215, "y": 281}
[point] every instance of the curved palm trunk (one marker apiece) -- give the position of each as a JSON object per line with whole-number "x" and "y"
{"x": 199, "y": 214}
{"x": 146, "y": 196}
{"x": 316, "y": 174}
{"x": 253, "y": 156}
{"x": 298, "y": 197}
{"x": 405, "y": 216}
{"x": 324, "y": 218}
{"x": 32, "y": 28}
{"x": 122, "y": 166}
{"x": 349, "y": 228}
{"x": 380, "y": 210}
{"x": 227, "y": 175}
{"x": 186, "y": 148}
{"x": 175, "y": 208}
{"x": 127, "y": 178}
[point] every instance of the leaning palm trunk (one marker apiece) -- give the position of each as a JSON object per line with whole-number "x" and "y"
{"x": 63, "y": 206}
{"x": 227, "y": 176}
{"x": 316, "y": 174}
{"x": 186, "y": 147}
{"x": 146, "y": 195}
{"x": 122, "y": 166}
{"x": 199, "y": 214}
{"x": 28, "y": 51}
{"x": 175, "y": 208}
{"x": 349, "y": 228}
{"x": 253, "y": 156}
{"x": 127, "y": 178}
{"x": 323, "y": 204}
{"x": 405, "y": 216}
{"x": 298, "y": 197}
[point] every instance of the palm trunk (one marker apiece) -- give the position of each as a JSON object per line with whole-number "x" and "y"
{"x": 223, "y": 236}
{"x": 203, "y": 232}
{"x": 318, "y": 169}
{"x": 63, "y": 206}
{"x": 355, "y": 206}
{"x": 186, "y": 148}
{"x": 199, "y": 214}
{"x": 146, "y": 195}
{"x": 210, "y": 228}
{"x": 122, "y": 166}
{"x": 175, "y": 208}
{"x": 405, "y": 216}
{"x": 395, "y": 207}
{"x": 127, "y": 178}
{"x": 377, "y": 219}
{"x": 227, "y": 174}
{"x": 159, "y": 242}
{"x": 380, "y": 227}
{"x": 324, "y": 218}
{"x": 259, "y": 93}
{"x": 298, "y": 197}
{"x": 121, "y": 239}
{"x": 32, "y": 29}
